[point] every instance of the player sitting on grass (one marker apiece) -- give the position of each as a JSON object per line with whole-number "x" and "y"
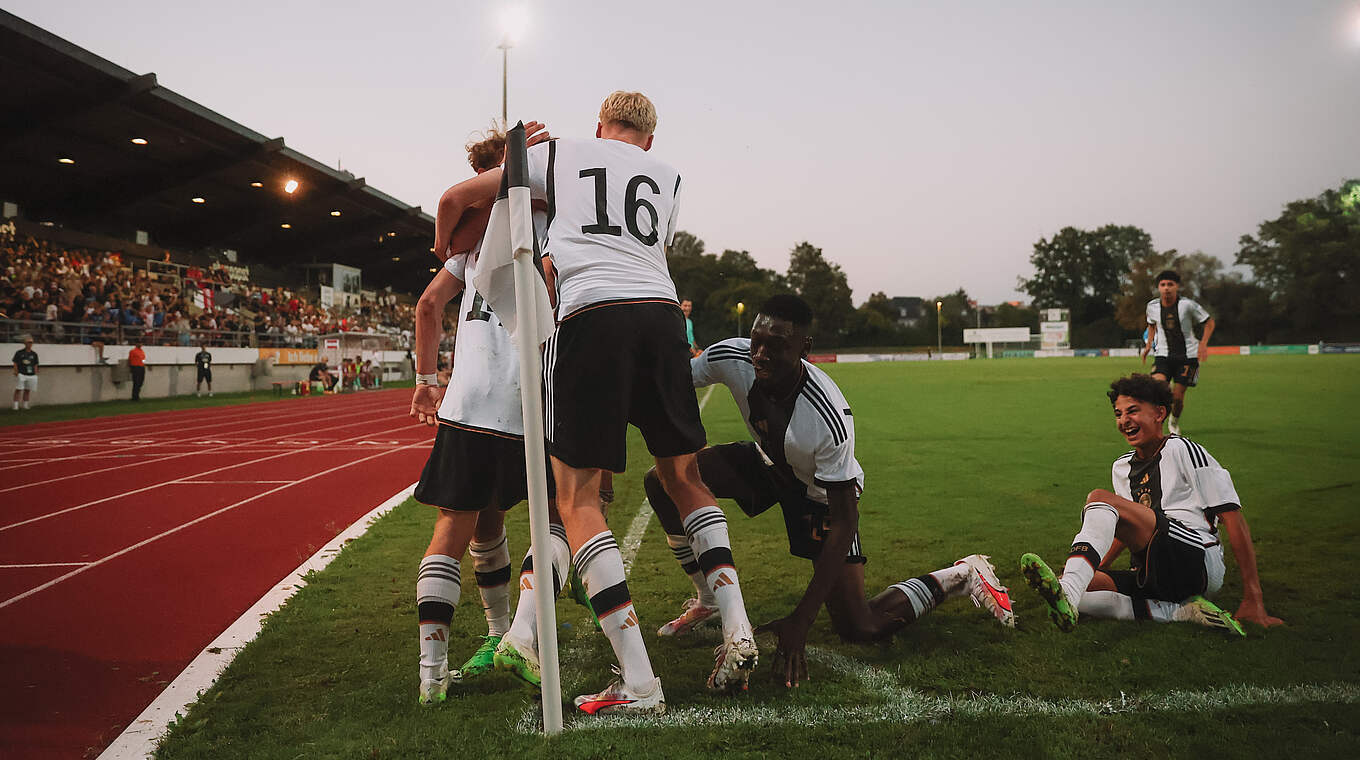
{"x": 1169, "y": 495}
{"x": 475, "y": 470}
{"x": 803, "y": 457}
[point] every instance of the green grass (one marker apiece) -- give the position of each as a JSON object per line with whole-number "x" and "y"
{"x": 961, "y": 457}
{"x": 63, "y": 412}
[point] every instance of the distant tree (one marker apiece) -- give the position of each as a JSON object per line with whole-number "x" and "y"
{"x": 1083, "y": 271}
{"x": 1308, "y": 258}
{"x": 1198, "y": 271}
{"x": 824, "y": 286}
{"x": 686, "y": 245}
{"x": 1008, "y": 315}
{"x": 957, "y": 311}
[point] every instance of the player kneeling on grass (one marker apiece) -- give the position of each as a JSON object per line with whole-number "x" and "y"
{"x": 1169, "y": 495}
{"x": 803, "y": 457}
{"x": 475, "y": 472}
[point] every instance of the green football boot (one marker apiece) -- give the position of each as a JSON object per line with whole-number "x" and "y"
{"x": 512, "y": 661}
{"x": 1197, "y": 609}
{"x": 1042, "y": 579}
{"x": 483, "y": 660}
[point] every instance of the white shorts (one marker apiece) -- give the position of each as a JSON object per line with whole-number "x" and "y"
{"x": 25, "y": 382}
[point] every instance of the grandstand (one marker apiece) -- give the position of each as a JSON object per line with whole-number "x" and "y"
{"x": 134, "y": 213}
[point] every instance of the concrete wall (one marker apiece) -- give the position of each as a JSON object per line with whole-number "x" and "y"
{"x": 69, "y": 374}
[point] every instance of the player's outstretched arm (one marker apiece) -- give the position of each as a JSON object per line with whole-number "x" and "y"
{"x": 1253, "y": 607}
{"x": 791, "y": 631}
{"x": 429, "y": 329}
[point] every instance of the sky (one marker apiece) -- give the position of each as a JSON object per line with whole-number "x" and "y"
{"x": 924, "y": 146}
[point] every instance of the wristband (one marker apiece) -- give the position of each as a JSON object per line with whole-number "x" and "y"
{"x": 430, "y": 379}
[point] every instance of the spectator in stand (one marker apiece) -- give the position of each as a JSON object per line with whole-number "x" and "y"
{"x": 25, "y": 373}
{"x": 137, "y": 364}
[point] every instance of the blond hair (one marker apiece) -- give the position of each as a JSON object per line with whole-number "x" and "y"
{"x": 631, "y": 109}
{"x": 486, "y": 150}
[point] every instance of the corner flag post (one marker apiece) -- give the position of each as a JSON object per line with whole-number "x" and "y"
{"x": 528, "y": 283}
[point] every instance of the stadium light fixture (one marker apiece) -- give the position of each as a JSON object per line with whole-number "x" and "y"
{"x": 434, "y": 269}
{"x": 286, "y": 226}
{"x": 66, "y": 160}
{"x": 396, "y": 258}
{"x": 257, "y": 184}
{"x": 391, "y": 233}
{"x": 939, "y": 331}
{"x": 198, "y": 199}
{"x": 290, "y": 186}
{"x": 139, "y": 141}
{"x": 514, "y": 20}
{"x": 741, "y": 307}
{"x": 336, "y": 212}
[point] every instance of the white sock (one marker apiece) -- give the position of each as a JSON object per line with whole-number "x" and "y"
{"x": 16, "y": 406}
{"x": 953, "y": 581}
{"x": 491, "y": 560}
{"x": 706, "y": 528}
{"x": 1098, "y": 521}
{"x": 523, "y": 631}
{"x": 600, "y": 566}
{"x": 1110, "y": 605}
{"x": 25, "y": 404}
{"x": 924, "y": 593}
{"x": 690, "y": 564}
{"x": 438, "y": 585}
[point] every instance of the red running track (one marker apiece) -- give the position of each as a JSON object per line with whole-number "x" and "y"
{"x": 127, "y": 544}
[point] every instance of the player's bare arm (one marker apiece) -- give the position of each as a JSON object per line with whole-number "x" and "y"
{"x": 1204, "y": 341}
{"x": 476, "y": 194}
{"x": 1147, "y": 342}
{"x": 791, "y": 631}
{"x": 429, "y": 329}
{"x": 1253, "y": 606}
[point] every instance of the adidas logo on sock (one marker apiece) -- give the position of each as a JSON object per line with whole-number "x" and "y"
{"x": 723, "y": 580}
{"x": 631, "y": 620}
{"x": 436, "y": 636}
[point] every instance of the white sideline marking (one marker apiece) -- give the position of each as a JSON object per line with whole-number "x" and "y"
{"x": 47, "y": 564}
{"x": 231, "y": 482}
{"x": 632, "y": 540}
{"x": 138, "y": 740}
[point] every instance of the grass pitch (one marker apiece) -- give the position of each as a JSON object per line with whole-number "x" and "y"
{"x": 960, "y": 457}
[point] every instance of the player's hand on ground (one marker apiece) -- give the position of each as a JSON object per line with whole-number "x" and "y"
{"x": 790, "y": 654}
{"x": 1249, "y": 612}
{"x": 425, "y": 404}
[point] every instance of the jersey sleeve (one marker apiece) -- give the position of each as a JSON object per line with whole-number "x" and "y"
{"x": 1198, "y": 313}
{"x": 540, "y": 159}
{"x": 1211, "y": 482}
{"x": 836, "y": 462}
{"x": 1119, "y": 481}
{"x": 714, "y": 364}
{"x": 675, "y": 215}
{"x": 1150, "y": 317}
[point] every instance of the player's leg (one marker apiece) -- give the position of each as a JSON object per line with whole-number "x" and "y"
{"x": 18, "y": 390}
{"x": 1181, "y": 383}
{"x": 1105, "y": 516}
{"x": 438, "y": 586}
{"x": 517, "y": 653}
{"x": 490, "y": 550}
{"x": 701, "y": 607}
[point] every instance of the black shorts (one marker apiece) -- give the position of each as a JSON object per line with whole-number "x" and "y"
{"x": 615, "y": 364}
{"x": 204, "y": 374}
{"x": 1169, "y": 569}
{"x": 737, "y": 471}
{"x": 1182, "y": 371}
{"x": 471, "y": 470}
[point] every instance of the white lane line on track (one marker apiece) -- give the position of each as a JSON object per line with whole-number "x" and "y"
{"x": 195, "y": 521}
{"x": 194, "y": 482}
{"x": 201, "y": 474}
{"x": 138, "y": 740}
{"x": 281, "y": 421}
{"x": 46, "y": 564}
{"x": 632, "y": 540}
{"x": 167, "y": 457}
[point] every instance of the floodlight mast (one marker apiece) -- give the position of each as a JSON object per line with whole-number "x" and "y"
{"x": 513, "y": 22}
{"x": 939, "y": 331}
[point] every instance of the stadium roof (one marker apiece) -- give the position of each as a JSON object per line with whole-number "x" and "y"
{"x": 91, "y": 146}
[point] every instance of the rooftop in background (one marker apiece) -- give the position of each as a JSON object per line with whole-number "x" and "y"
{"x": 90, "y": 145}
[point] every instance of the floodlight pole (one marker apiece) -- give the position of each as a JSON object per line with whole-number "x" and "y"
{"x": 505, "y": 80}
{"x": 939, "y": 331}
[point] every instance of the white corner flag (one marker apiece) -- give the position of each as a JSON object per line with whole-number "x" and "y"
{"x": 509, "y": 278}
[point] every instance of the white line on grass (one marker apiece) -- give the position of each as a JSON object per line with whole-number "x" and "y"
{"x": 138, "y": 740}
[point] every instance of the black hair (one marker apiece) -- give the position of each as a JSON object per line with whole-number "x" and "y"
{"x": 1169, "y": 274}
{"x": 1145, "y": 388}
{"x": 790, "y": 307}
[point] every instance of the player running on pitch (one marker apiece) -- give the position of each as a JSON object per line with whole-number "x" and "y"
{"x": 1169, "y": 496}
{"x": 476, "y": 468}
{"x": 803, "y": 457}
{"x": 1171, "y": 335}
{"x": 619, "y": 357}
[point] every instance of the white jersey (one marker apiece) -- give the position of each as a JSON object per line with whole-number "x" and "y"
{"x": 483, "y": 392}
{"x": 1184, "y": 482}
{"x": 1175, "y": 338}
{"x": 819, "y": 442}
{"x": 611, "y": 213}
